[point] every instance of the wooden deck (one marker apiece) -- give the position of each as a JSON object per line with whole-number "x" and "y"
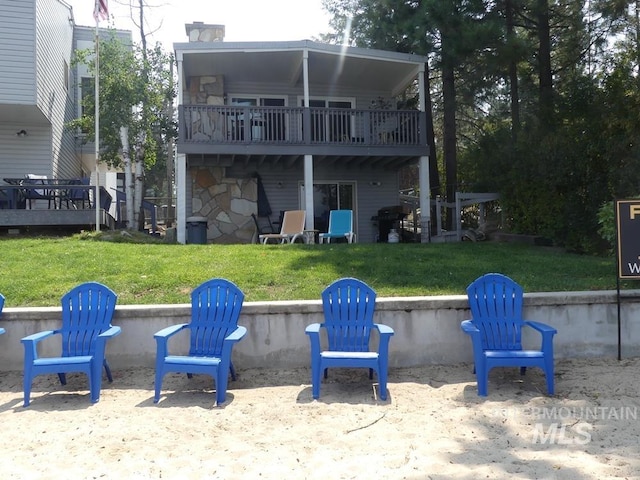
{"x": 60, "y": 218}
{"x": 56, "y": 203}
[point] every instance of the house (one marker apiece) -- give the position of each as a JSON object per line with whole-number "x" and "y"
{"x": 316, "y": 124}
{"x": 40, "y": 91}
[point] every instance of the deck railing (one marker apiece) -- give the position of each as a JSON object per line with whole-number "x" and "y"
{"x": 50, "y": 194}
{"x": 300, "y": 126}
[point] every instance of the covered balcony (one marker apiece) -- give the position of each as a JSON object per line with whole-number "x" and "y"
{"x": 243, "y": 130}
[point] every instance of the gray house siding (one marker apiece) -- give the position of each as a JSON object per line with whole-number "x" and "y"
{"x": 36, "y": 44}
{"x": 22, "y": 155}
{"x": 17, "y": 52}
{"x": 54, "y": 83}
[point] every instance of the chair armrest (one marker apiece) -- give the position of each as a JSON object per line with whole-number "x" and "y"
{"x": 386, "y": 333}
{"x": 230, "y": 340}
{"x": 113, "y": 331}
{"x": 30, "y": 344}
{"x": 468, "y": 327}
{"x": 37, "y": 337}
{"x": 547, "y": 333}
{"x": 383, "y": 329}
{"x": 236, "y": 335}
{"x": 312, "y": 329}
{"x": 169, "y": 331}
{"x": 541, "y": 327}
{"x": 101, "y": 340}
{"x": 162, "y": 339}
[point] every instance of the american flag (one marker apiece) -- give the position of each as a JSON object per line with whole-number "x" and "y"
{"x": 101, "y": 11}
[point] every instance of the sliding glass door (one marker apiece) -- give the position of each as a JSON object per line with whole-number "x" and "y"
{"x": 329, "y": 196}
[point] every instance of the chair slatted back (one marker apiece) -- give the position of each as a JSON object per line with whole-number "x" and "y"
{"x": 348, "y": 306}
{"x": 33, "y": 193}
{"x": 495, "y": 301}
{"x": 80, "y": 193}
{"x": 293, "y": 222}
{"x": 87, "y": 311}
{"x": 340, "y": 222}
{"x": 215, "y": 309}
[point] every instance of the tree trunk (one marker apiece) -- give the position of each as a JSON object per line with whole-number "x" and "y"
{"x": 434, "y": 175}
{"x": 544, "y": 64}
{"x": 138, "y": 186}
{"x": 128, "y": 181}
{"x": 449, "y": 133}
{"x": 513, "y": 73}
{"x": 637, "y": 39}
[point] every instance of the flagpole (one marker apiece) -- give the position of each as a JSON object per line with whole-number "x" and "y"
{"x": 97, "y": 120}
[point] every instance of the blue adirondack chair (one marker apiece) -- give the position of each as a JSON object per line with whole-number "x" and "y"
{"x": 496, "y": 327}
{"x": 213, "y": 330}
{"x": 1, "y": 307}
{"x": 87, "y": 311}
{"x": 348, "y": 305}
{"x": 340, "y": 226}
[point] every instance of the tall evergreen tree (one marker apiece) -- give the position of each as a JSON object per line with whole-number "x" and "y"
{"x": 451, "y": 32}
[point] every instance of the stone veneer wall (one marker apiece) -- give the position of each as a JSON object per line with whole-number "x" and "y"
{"x": 204, "y": 32}
{"x": 226, "y": 203}
{"x": 205, "y": 90}
{"x": 206, "y": 124}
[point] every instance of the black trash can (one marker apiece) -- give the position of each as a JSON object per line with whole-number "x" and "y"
{"x": 197, "y": 230}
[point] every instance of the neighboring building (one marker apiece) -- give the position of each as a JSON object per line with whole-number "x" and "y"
{"x": 317, "y": 123}
{"x": 84, "y": 38}
{"x": 40, "y": 90}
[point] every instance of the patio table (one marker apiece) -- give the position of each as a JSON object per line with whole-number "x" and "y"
{"x": 54, "y": 190}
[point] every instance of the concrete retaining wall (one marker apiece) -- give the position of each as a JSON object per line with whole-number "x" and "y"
{"x": 427, "y": 329}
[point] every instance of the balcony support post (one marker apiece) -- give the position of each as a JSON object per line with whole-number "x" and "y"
{"x": 425, "y": 203}
{"x": 308, "y": 191}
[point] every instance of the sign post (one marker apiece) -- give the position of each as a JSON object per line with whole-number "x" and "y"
{"x": 628, "y": 247}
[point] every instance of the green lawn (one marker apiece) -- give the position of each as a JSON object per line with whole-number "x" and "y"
{"x": 38, "y": 271}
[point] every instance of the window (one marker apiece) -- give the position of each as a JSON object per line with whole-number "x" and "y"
{"x": 86, "y": 90}
{"x": 266, "y": 124}
{"x": 66, "y": 75}
{"x": 329, "y": 196}
{"x": 332, "y": 125}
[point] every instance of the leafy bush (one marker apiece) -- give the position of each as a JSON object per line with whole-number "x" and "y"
{"x": 607, "y": 224}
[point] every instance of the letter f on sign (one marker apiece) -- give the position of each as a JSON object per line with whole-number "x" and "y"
{"x": 633, "y": 211}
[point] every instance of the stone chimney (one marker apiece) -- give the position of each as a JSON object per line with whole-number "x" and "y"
{"x": 202, "y": 32}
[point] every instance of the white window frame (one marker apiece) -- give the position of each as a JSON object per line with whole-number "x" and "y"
{"x": 351, "y": 100}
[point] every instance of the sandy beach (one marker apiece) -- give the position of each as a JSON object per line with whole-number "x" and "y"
{"x": 433, "y": 426}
